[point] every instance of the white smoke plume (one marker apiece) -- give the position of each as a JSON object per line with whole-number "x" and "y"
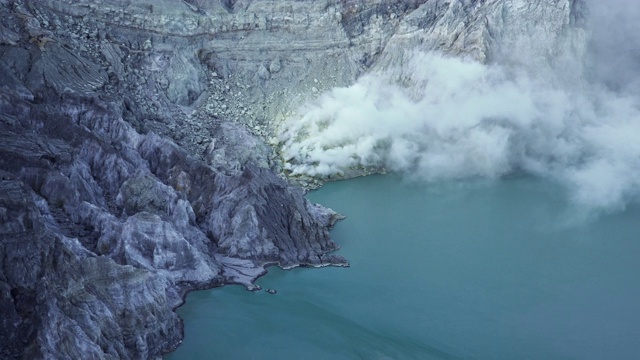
{"x": 462, "y": 119}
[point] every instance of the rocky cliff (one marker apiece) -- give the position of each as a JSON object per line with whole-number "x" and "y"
{"x": 137, "y": 143}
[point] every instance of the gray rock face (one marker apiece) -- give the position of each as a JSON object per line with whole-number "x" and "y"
{"x": 63, "y": 301}
{"x": 127, "y": 223}
{"x": 491, "y": 31}
{"x": 262, "y": 57}
{"x": 105, "y": 226}
{"x": 134, "y": 149}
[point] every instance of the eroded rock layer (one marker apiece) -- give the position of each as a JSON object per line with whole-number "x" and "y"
{"x": 104, "y": 224}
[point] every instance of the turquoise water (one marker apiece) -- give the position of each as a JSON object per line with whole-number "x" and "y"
{"x": 470, "y": 270}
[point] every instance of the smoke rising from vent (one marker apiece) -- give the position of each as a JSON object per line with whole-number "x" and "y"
{"x": 454, "y": 119}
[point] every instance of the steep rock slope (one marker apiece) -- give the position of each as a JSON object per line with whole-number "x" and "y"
{"x": 105, "y": 228}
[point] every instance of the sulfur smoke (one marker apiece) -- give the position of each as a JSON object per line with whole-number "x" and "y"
{"x": 575, "y": 119}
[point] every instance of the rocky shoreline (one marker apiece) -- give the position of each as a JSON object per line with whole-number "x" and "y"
{"x": 116, "y": 201}
{"x": 139, "y": 152}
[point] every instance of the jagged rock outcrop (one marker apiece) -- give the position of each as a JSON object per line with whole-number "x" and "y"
{"x": 104, "y": 228}
{"x": 126, "y": 223}
{"x": 134, "y": 157}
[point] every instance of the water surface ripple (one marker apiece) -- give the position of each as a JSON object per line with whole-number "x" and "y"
{"x": 465, "y": 270}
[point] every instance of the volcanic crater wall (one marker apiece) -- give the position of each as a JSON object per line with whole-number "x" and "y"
{"x": 137, "y": 155}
